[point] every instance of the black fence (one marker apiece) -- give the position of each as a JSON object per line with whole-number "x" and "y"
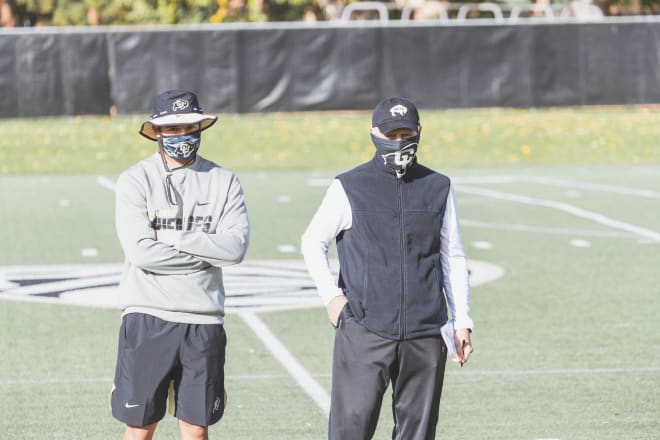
{"x": 297, "y": 67}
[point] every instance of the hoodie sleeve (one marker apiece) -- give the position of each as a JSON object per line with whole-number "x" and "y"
{"x": 138, "y": 238}
{"x": 229, "y": 243}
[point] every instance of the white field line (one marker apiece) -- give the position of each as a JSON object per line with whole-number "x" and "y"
{"x": 614, "y": 189}
{"x": 322, "y": 182}
{"x": 557, "y": 372}
{"x": 106, "y": 183}
{"x": 318, "y": 394}
{"x": 543, "y": 229}
{"x": 565, "y": 207}
{"x": 238, "y": 377}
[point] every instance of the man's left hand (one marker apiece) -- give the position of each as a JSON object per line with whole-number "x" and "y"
{"x": 463, "y": 345}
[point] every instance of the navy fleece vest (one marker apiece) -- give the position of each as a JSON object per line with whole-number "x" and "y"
{"x": 390, "y": 257}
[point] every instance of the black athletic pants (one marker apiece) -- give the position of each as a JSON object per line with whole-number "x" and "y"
{"x": 364, "y": 364}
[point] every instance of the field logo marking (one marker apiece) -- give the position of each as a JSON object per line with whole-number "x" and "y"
{"x": 257, "y": 285}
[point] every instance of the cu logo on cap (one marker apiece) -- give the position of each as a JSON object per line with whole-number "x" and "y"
{"x": 180, "y": 104}
{"x": 398, "y": 110}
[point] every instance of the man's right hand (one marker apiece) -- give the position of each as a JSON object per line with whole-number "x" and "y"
{"x": 334, "y": 308}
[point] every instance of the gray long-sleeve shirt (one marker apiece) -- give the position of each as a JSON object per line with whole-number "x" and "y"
{"x": 174, "y": 253}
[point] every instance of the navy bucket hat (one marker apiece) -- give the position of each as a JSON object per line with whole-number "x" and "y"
{"x": 175, "y": 107}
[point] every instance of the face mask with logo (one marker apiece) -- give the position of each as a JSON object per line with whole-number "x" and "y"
{"x": 181, "y": 147}
{"x": 396, "y": 155}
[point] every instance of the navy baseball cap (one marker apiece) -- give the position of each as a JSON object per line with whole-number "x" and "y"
{"x": 175, "y": 107}
{"x": 393, "y": 113}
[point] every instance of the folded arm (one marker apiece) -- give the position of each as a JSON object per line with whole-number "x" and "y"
{"x": 138, "y": 238}
{"x": 228, "y": 244}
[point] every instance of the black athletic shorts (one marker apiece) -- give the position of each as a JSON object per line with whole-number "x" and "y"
{"x": 154, "y": 356}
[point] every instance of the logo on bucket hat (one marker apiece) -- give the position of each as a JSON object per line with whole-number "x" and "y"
{"x": 180, "y": 104}
{"x": 175, "y": 107}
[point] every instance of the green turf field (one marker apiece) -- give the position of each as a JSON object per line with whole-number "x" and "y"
{"x": 566, "y": 341}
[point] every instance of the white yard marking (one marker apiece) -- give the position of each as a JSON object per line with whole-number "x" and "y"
{"x": 319, "y": 182}
{"x": 106, "y": 183}
{"x": 578, "y": 243}
{"x": 565, "y": 207}
{"x": 89, "y": 252}
{"x": 287, "y": 248}
{"x": 64, "y": 203}
{"x": 482, "y": 244}
{"x": 283, "y": 199}
{"x": 318, "y": 394}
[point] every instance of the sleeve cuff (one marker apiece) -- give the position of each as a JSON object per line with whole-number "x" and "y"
{"x": 464, "y": 323}
{"x": 326, "y": 297}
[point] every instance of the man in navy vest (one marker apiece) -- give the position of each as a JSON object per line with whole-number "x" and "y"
{"x": 402, "y": 270}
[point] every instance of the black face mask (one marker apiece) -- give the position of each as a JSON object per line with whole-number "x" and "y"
{"x": 397, "y": 156}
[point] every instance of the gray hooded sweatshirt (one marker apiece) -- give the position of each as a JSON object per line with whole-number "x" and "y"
{"x": 174, "y": 253}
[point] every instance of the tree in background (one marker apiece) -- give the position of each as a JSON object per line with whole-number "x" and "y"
{"x": 238, "y": 10}
{"x": 69, "y": 13}
{"x": 33, "y": 12}
{"x": 629, "y": 7}
{"x": 291, "y": 10}
{"x": 133, "y": 12}
{"x": 127, "y": 12}
{"x": 113, "y": 12}
{"x": 266, "y": 10}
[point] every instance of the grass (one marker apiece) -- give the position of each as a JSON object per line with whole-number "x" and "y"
{"x": 337, "y": 140}
{"x": 565, "y": 340}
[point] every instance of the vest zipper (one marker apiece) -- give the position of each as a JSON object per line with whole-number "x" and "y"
{"x": 402, "y": 320}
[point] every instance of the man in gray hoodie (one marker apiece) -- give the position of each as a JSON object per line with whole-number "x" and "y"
{"x": 180, "y": 218}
